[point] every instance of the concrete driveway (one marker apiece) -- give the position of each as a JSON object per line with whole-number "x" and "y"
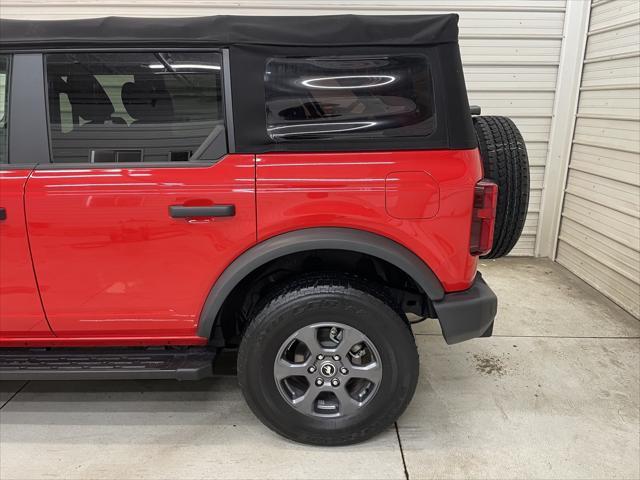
{"x": 554, "y": 394}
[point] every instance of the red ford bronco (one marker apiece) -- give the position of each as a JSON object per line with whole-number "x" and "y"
{"x": 293, "y": 187}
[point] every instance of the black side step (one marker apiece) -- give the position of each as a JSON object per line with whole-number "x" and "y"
{"x": 181, "y": 363}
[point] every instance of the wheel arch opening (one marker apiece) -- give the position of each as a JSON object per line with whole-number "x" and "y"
{"x": 246, "y": 297}
{"x": 338, "y": 250}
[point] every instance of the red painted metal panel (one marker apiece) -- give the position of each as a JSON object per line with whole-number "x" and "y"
{"x": 20, "y": 308}
{"x": 115, "y": 269}
{"x": 302, "y": 190}
{"x": 411, "y": 195}
{"x": 110, "y": 260}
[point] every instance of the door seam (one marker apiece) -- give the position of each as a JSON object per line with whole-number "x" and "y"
{"x": 255, "y": 194}
{"x": 33, "y": 264}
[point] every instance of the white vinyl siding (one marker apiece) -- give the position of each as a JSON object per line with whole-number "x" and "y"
{"x": 510, "y": 51}
{"x": 600, "y": 231}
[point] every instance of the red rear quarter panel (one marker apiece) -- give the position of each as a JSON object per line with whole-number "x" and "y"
{"x": 304, "y": 190}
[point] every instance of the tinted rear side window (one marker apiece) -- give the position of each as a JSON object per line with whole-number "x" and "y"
{"x": 4, "y": 108}
{"x": 336, "y": 97}
{"x": 135, "y": 107}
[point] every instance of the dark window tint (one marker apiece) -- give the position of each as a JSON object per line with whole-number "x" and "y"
{"x": 135, "y": 107}
{"x": 332, "y": 97}
{"x": 4, "y": 108}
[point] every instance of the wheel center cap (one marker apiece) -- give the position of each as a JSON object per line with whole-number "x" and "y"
{"x": 328, "y": 369}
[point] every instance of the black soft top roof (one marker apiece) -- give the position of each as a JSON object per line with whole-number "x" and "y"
{"x": 329, "y": 30}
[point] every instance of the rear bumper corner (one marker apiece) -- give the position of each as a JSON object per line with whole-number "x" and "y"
{"x": 467, "y": 314}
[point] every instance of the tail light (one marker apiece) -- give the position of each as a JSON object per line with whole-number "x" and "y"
{"x": 485, "y": 199}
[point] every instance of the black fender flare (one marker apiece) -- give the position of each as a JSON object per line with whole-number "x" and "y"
{"x": 334, "y": 238}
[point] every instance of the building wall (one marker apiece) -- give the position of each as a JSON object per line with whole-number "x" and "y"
{"x": 510, "y": 51}
{"x": 599, "y": 236}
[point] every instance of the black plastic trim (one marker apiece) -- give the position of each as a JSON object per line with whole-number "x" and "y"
{"x": 7, "y": 105}
{"x": 17, "y": 166}
{"x": 467, "y": 314}
{"x": 228, "y": 101}
{"x": 186, "y": 363}
{"x": 28, "y": 133}
{"x": 312, "y": 239}
{"x": 181, "y": 211}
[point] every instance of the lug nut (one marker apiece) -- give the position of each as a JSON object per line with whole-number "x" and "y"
{"x": 336, "y": 358}
{"x": 335, "y": 382}
{"x": 320, "y": 357}
{"x": 344, "y": 371}
{"x": 312, "y": 369}
{"x": 319, "y": 382}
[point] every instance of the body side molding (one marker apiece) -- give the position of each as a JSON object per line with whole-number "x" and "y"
{"x": 334, "y": 238}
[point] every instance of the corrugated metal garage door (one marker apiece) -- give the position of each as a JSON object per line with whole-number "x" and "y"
{"x": 600, "y": 230}
{"x": 510, "y": 49}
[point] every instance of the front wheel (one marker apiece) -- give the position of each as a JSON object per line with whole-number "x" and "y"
{"x": 328, "y": 361}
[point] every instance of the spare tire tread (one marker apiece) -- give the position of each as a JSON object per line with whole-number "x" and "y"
{"x": 505, "y": 161}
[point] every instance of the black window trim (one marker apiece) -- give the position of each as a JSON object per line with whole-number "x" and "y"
{"x": 227, "y": 100}
{"x": 303, "y": 142}
{"x": 7, "y": 109}
{"x": 50, "y": 165}
{"x": 28, "y": 134}
{"x": 247, "y": 64}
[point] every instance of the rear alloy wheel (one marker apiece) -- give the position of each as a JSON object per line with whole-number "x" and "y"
{"x": 328, "y": 369}
{"x": 328, "y": 361}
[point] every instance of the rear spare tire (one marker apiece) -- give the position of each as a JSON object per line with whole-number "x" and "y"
{"x": 505, "y": 162}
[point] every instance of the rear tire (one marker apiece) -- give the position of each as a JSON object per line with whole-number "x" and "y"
{"x": 505, "y": 162}
{"x": 380, "y": 382}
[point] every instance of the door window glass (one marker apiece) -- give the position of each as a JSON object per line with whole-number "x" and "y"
{"x": 334, "y": 97}
{"x": 4, "y": 108}
{"x": 135, "y": 107}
